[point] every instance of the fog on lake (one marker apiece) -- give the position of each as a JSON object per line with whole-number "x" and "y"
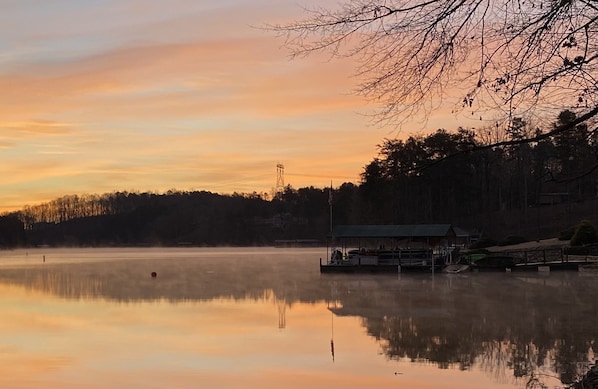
{"x": 267, "y": 318}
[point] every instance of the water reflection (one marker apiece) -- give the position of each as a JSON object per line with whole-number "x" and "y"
{"x": 520, "y": 329}
{"x": 504, "y": 322}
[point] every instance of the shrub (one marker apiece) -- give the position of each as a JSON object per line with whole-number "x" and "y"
{"x": 567, "y": 234}
{"x": 585, "y": 233}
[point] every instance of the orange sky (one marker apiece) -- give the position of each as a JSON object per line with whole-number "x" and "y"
{"x": 187, "y": 95}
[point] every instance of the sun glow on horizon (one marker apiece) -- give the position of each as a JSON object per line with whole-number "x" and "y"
{"x": 126, "y": 95}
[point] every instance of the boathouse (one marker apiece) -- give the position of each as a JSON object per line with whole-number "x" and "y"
{"x": 404, "y": 235}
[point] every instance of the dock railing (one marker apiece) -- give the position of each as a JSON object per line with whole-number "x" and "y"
{"x": 552, "y": 255}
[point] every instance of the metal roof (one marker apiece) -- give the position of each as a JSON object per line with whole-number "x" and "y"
{"x": 393, "y": 231}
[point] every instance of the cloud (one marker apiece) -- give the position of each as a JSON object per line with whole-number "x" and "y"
{"x": 132, "y": 95}
{"x": 36, "y": 127}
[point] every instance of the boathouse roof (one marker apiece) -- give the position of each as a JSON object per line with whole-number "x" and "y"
{"x": 394, "y": 231}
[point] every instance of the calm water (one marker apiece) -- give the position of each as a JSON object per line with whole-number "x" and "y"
{"x": 266, "y": 318}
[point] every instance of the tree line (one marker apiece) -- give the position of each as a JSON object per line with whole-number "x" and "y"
{"x": 535, "y": 189}
{"x": 445, "y": 175}
{"x": 173, "y": 218}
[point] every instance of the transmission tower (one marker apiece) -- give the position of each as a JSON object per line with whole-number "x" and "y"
{"x": 279, "y": 178}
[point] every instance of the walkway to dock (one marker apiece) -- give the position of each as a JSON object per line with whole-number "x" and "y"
{"x": 549, "y": 259}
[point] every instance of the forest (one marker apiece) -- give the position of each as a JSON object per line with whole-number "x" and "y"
{"x": 531, "y": 190}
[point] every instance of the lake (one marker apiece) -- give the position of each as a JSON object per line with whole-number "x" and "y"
{"x": 267, "y": 318}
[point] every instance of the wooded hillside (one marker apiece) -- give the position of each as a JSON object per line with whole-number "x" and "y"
{"x": 532, "y": 190}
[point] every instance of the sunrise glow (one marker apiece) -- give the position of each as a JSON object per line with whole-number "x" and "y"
{"x": 136, "y": 96}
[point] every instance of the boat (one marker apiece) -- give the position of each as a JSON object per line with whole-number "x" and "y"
{"x": 383, "y": 261}
{"x": 389, "y": 248}
{"x": 456, "y": 268}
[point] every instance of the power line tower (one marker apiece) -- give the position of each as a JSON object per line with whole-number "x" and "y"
{"x": 279, "y": 178}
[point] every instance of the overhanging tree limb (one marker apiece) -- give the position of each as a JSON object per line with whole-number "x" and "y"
{"x": 505, "y": 57}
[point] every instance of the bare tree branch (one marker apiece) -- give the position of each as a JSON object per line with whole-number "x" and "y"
{"x": 505, "y": 57}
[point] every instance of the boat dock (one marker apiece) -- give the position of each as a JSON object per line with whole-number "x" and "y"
{"x": 546, "y": 259}
{"x": 432, "y": 248}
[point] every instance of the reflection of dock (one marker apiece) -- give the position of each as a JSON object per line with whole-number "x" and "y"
{"x": 548, "y": 266}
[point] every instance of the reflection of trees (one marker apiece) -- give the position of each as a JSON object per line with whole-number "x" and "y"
{"x": 502, "y": 323}
{"x": 64, "y": 284}
{"x": 253, "y": 276}
{"x": 511, "y": 325}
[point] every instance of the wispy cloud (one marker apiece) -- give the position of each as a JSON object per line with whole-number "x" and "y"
{"x": 121, "y": 95}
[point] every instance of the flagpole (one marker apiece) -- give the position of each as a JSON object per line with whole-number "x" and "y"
{"x": 330, "y": 205}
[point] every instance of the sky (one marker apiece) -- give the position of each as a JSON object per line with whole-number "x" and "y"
{"x": 101, "y": 96}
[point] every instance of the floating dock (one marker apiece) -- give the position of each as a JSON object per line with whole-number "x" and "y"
{"x": 547, "y": 259}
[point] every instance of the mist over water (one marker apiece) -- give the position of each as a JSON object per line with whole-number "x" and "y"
{"x": 266, "y": 317}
